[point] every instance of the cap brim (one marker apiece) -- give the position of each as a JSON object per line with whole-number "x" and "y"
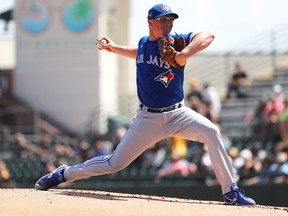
{"x": 171, "y": 14}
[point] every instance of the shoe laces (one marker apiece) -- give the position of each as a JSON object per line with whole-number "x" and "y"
{"x": 56, "y": 179}
{"x": 240, "y": 191}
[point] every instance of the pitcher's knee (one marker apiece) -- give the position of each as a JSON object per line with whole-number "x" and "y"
{"x": 117, "y": 167}
{"x": 212, "y": 130}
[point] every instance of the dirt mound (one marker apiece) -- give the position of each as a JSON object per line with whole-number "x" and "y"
{"x": 80, "y": 202}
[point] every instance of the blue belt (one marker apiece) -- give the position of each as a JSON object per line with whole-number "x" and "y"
{"x": 160, "y": 110}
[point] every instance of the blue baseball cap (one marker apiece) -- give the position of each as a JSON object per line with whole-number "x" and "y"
{"x": 160, "y": 10}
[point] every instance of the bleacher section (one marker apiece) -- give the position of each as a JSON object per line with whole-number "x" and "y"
{"x": 234, "y": 110}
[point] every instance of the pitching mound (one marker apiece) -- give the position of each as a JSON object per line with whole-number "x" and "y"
{"x": 78, "y": 202}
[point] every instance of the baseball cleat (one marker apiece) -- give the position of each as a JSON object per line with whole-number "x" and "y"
{"x": 237, "y": 197}
{"x": 52, "y": 179}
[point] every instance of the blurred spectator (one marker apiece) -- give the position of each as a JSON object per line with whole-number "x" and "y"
{"x": 194, "y": 95}
{"x": 206, "y": 164}
{"x": 270, "y": 125}
{"x": 4, "y": 173}
{"x": 197, "y": 105}
{"x": 264, "y": 177}
{"x": 283, "y": 123}
{"x": 264, "y": 121}
{"x": 211, "y": 97}
{"x": 177, "y": 166}
{"x": 256, "y": 120}
{"x": 206, "y": 168}
{"x": 205, "y": 101}
{"x": 195, "y": 151}
{"x": 279, "y": 169}
{"x": 5, "y": 178}
{"x": 102, "y": 146}
{"x": 179, "y": 145}
{"x": 204, "y": 108}
{"x": 239, "y": 83}
{"x": 45, "y": 143}
{"x": 49, "y": 166}
{"x": 63, "y": 150}
{"x": 20, "y": 147}
{"x": 155, "y": 155}
{"x": 81, "y": 149}
{"x": 43, "y": 148}
{"x": 259, "y": 175}
{"x": 233, "y": 153}
{"x": 273, "y": 108}
{"x": 278, "y": 98}
{"x": 226, "y": 139}
{"x": 251, "y": 166}
{"x": 119, "y": 134}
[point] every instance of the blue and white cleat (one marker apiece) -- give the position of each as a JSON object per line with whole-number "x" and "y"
{"x": 237, "y": 197}
{"x": 52, "y": 179}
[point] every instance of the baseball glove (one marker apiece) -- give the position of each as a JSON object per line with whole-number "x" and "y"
{"x": 169, "y": 47}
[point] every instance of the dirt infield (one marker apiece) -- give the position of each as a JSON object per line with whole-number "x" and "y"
{"x": 29, "y": 202}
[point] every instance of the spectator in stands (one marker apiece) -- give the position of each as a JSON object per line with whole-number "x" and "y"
{"x": 155, "y": 156}
{"x": 194, "y": 95}
{"x": 205, "y": 166}
{"x": 264, "y": 120}
{"x": 49, "y": 166}
{"x": 278, "y": 98}
{"x": 279, "y": 169}
{"x": 227, "y": 141}
{"x": 45, "y": 143}
{"x": 202, "y": 107}
{"x": 81, "y": 149}
{"x": 63, "y": 150}
{"x": 119, "y": 134}
{"x": 250, "y": 167}
{"x": 23, "y": 148}
{"x": 239, "y": 83}
{"x": 211, "y": 98}
{"x": 262, "y": 173}
{"x": 179, "y": 145}
{"x": 273, "y": 107}
{"x": 177, "y": 166}
{"x": 256, "y": 119}
{"x": 43, "y": 148}
{"x": 205, "y": 101}
{"x": 20, "y": 147}
{"x": 237, "y": 161}
{"x": 102, "y": 146}
{"x": 5, "y": 180}
{"x": 283, "y": 124}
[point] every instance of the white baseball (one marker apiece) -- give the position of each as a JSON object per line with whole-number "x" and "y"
{"x": 101, "y": 43}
